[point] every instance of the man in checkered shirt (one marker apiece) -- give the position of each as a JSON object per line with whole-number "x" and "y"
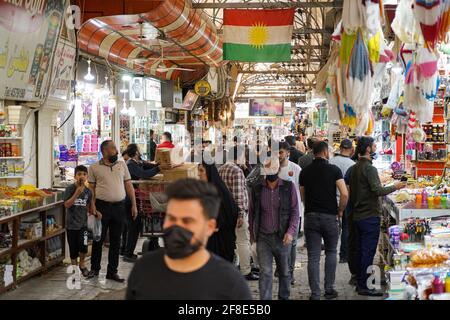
{"x": 234, "y": 178}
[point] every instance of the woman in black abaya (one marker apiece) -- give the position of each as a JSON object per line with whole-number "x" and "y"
{"x": 223, "y": 241}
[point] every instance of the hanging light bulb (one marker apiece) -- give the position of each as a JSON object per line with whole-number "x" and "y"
{"x": 124, "y": 109}
{"x": 112, "y": 102}
{"x": 106, "y": 90}
{"x": 124, "y": 89}
{"x": 126, "y": 77}
{"x": 132, "y": 111}
{"x": 89, "y": 76}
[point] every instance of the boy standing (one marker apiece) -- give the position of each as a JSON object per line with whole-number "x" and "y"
{"x": 77, "y": 199}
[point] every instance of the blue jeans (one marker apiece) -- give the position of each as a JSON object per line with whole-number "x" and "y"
{"x": 318, "y": 226}
{"x": 368, "y": 234}
{"x": 343, "y": 251}
{"x": 293, "y": 253}
{"x": 268, "y": 247}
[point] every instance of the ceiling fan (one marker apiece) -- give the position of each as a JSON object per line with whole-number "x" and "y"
{"x": 161, "y": 66}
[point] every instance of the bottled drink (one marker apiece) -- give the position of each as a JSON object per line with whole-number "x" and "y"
{"x": 437, "y": 286}
{"x": 447, "y": 283}
{"x": 424, "y": 196}
{"x": 430, "y": 202}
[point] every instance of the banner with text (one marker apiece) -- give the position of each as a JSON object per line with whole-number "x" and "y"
{"x": 29, "y": 31}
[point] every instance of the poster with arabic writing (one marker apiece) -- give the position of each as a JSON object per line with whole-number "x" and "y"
{"x": 29, "y": 31}
{"x": 62, "y": 74}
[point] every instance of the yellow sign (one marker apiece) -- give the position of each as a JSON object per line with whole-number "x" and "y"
{"x": 202, "y": 88}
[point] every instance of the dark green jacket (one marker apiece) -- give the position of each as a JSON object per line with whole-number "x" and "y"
{"x": 366, "y": 190}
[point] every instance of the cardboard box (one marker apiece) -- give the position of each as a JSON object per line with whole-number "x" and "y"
{"x": 187, "y": 170}
{"x": 169, "y": 158}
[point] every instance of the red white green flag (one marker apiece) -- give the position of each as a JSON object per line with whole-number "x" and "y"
{"x": 257, "y": 35}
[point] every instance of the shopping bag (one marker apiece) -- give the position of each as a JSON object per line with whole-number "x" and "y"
{"x": 95, "y": 226}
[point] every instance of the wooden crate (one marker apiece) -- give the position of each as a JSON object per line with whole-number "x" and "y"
{"x": 187, "y": 170}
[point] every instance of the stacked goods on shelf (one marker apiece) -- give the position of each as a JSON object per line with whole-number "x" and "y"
{"x": 6, "y": 268}
{"x": 54, "y": 248}
{"x": 8, "y": 131}
{"x": 28, "y": 261}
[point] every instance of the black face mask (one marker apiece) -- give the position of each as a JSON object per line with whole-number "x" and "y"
{"x": 113, "y": 158}
{"x": 373, "y": 155}
{"x": 177, "y": 242}
{"x": 272, "y": 177}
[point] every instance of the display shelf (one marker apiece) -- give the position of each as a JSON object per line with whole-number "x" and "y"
{"x": 34, "y": 210}
{"x": 413, "y": 210}
{"x": 11, "y": 158}
{"x": 12, "y": 177}
{"x": 431, "y": 142}
{"x": 54, "y": 234}
{"x": 10, "y": 138}
{"x": 8, "y": 287}
{"x": 54, "y": 262}
{"x": 23, "y": 244}
{"x": 435, "y": 161}
{"x": 5, "y": 251}
{"x": 30, "y": 275}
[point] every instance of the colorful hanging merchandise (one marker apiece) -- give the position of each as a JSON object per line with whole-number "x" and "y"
{"x": 405, "y": 25}
{"x": 353, "y": 15}
{"x": 359, "y": 82}
{"x": 428, "y": 15}
{"x": 421, "y": 84}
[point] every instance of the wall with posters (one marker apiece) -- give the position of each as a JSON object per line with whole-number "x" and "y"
{"x": 28, "y": 35}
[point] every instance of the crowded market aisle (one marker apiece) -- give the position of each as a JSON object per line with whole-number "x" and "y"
{"x": 52, "y": 286}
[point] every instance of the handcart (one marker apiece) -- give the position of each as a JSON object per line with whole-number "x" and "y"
{"x": 151, "y": 203}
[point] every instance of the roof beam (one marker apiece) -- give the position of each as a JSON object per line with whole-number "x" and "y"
{"x": 292, "y": 84}
{"x": 275, "y": 72}
{"x": 265, "y": 5}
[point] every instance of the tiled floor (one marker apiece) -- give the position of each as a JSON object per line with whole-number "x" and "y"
{"x": 53, "y": 286}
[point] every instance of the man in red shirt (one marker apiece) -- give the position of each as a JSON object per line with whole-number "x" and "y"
{"x": 166, "y": 141}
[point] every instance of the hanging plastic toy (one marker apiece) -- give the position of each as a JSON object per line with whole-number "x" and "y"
{"x": 359, "y": 77}
{"x": 427, "y": 13}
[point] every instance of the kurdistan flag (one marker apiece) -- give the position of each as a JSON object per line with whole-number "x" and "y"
{"x": 257, "y": 35}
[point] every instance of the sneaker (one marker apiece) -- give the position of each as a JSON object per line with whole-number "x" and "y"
{"x": 251, "y": 277}
{"x": 370, "y": 293}
{"x": 353, "y": 280}
{"x": 333, "y": 294}
{"x": 255, "y": 270}
{"x": 293, "y": 282}
{"x": 343, "y": 260}
{"x": 86, "y": 273}
{"x": 314, "y": 298}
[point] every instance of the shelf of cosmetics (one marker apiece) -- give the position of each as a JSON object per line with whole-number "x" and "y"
{"x": 426, "y": 198}
{"x": 434, "y": 132}
{"x": 16, "y": 200}
{"x": 12, "y": 168}
{"x": 416, "y": 233}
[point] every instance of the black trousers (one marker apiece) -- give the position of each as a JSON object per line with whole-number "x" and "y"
{"x": 113, "y": 219}
{"x": 130, "y": 233}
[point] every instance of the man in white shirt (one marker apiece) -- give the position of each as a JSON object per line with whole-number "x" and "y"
{"x": 290, "y": 171}
{"x": 343, "y": 162}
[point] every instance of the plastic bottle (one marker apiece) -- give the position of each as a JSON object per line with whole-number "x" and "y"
{"x": 424, "y": 196}
{"x": 447, "y": 283}
{"x": 437, "y": 287}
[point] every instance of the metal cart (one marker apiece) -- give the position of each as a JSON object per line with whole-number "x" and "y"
{"x": 151, "y": 208}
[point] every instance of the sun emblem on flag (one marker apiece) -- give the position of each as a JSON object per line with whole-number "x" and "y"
{"x": 258, "y": 35}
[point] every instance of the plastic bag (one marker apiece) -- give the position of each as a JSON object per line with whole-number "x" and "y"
{"x": 95, "y": 226}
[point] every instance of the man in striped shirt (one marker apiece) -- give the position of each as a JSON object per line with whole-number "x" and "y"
{"x": 234, "y": 178}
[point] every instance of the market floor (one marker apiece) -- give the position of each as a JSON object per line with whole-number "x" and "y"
{"x": 52, "y": 286}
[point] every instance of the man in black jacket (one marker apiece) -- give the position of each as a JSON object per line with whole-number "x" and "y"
{"x": 152, "y": 145}
{"x": 139, "y": 170}
{"x": 294, "y": 154}
{"x": 273, "y": 221}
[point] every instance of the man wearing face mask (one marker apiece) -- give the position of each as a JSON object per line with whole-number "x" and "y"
{"x": 273, "y": 220}
{"x": 184, "y": 269}
{"x": 319, "y": 183}
{"x": 365, "y": 193}
{"x": 110, "y": 182}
